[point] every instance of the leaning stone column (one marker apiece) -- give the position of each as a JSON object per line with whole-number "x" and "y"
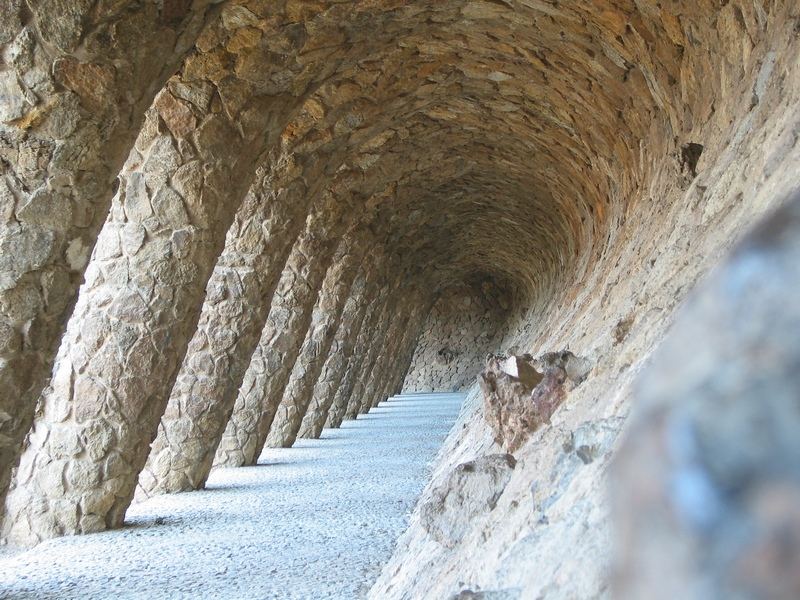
{"x": 358, "y": 400}
{"x": 324, "y": 322}
{"x": 352, "y": 368}
{"x": 376, "y": 333}
{"x": 237, "y": 303}
{"x": 75, "y": 81}
{"x": 281, "y": 339}
{"x": 339, "y": 355}
{"x": 406, "y": 347}
{"x": 388, "y": 360}
{"x": 133, "y": 321}
{"x": 409, "y": 345}
{"x": 386, "y": 352}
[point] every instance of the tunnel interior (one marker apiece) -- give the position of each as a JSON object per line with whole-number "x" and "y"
{"x": 229, "y": 224}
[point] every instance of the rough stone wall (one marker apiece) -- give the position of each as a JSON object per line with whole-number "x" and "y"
{"x": 321, "y": 330}
{"x": 373, "y": 333}
{"x": 340, "y": 352}
{"x": 456, "y": 337}
{"x": 589, "y": 159}
{"x": 187, "y": 173}
{"x": 129, "y": 331}
{"x": 387, "y": 321}
{"x": 548, "y": 534}
{"x": 344, "y": 404}
{"x": 281, "y": 339}
{"x": 238, "y": 298}
{"x": 393, "y": 357}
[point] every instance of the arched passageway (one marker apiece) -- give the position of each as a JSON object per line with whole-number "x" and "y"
{"x": 226, "y": 224}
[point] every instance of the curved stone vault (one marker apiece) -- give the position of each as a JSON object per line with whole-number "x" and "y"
{"x": 225, "y": 224}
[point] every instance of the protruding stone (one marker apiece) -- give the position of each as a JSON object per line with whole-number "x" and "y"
{"x": 469, "y": 493}
{"x": 518, "y": 398}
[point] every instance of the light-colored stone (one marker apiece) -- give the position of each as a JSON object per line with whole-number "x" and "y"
{"x": 546, "y": 174}
{"x": 66, "y": 126}
{"x": 470, "y": 492}
{"x": 319, "y": 337}
{"x": 706, "y": 483}
{"x": 281, "y": 340}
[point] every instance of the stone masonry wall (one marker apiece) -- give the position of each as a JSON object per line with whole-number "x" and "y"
{"x": 456, "y": 337}
{"x": 532, "y": 176}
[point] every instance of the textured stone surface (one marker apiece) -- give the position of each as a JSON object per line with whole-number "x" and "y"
{"x": 281, "y": 340}
{"x": 357, "y": 402}
{"x": 340, "y": 353}
{"x": 407, "y": 348}
{"x": 75, "y": 82}
{"x": 373, "y": 366}
{"x": 389, "y": 358}
{"x": 185, "y": 176}
{"x": 465, "y": 497}
{"x": 458, "y": 335}
{"x": 344, "y": 400}
{"x": 743, "y": 110}
{"x": 239, "y": 296}
{"x": 126, "y": 338}
{"x": 237, "y": 302}
{"x": 707, "y": 480}
{"x": 574, "y": 166}
{"x": 521, "y": 393}
{"x": 507, "y": 384}
{"x": 310, "y": 360}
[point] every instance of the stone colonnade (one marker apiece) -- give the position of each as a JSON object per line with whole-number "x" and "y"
{"x": 223, "y": 223}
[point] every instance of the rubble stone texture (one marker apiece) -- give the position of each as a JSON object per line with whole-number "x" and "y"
{"x": 679, "y": 217}
{"x": 388, "y": 323}
{"x": 572, "y": 168}
{"x": 281, "y": 340}
{"x": 180, "y": 178}
{"x": 471, "y": 491}
{"x": 388, "y": 359}
{"x": 378, "y": 326}
{"x": 340, "y": 352}
{"x": 521, "y": 393}
{"x": 75, "y": 81}
{"x": 128, "y": 333}
{"x": 406, "y": 349}
{"x": 237, "y": 302}
{"x": 344, "y": 405}
{"x": 397, "y": 358}
{"x": 458, "y": 336}
{"x": 324, "y": 323}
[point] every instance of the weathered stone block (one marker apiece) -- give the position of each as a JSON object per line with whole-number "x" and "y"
{"x": 707, "y": 482}
{"x": 518, "y": 398}
{"x": 470, "y": 491}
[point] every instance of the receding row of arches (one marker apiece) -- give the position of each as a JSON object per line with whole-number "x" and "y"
{"x": 225, "y": 223}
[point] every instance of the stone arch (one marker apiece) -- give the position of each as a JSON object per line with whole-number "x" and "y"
{"x": 528, "y": 144}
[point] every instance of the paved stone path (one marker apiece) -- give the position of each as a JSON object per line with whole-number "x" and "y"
{"x": 314, "y": 521}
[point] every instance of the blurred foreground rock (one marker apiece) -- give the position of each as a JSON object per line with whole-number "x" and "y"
{"x": 707, "y": 485}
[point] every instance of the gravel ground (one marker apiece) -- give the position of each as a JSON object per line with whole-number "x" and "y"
{"x": 314, "y": 521}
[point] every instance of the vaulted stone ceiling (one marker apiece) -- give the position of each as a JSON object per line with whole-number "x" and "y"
{"x": 203, "y": 164}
